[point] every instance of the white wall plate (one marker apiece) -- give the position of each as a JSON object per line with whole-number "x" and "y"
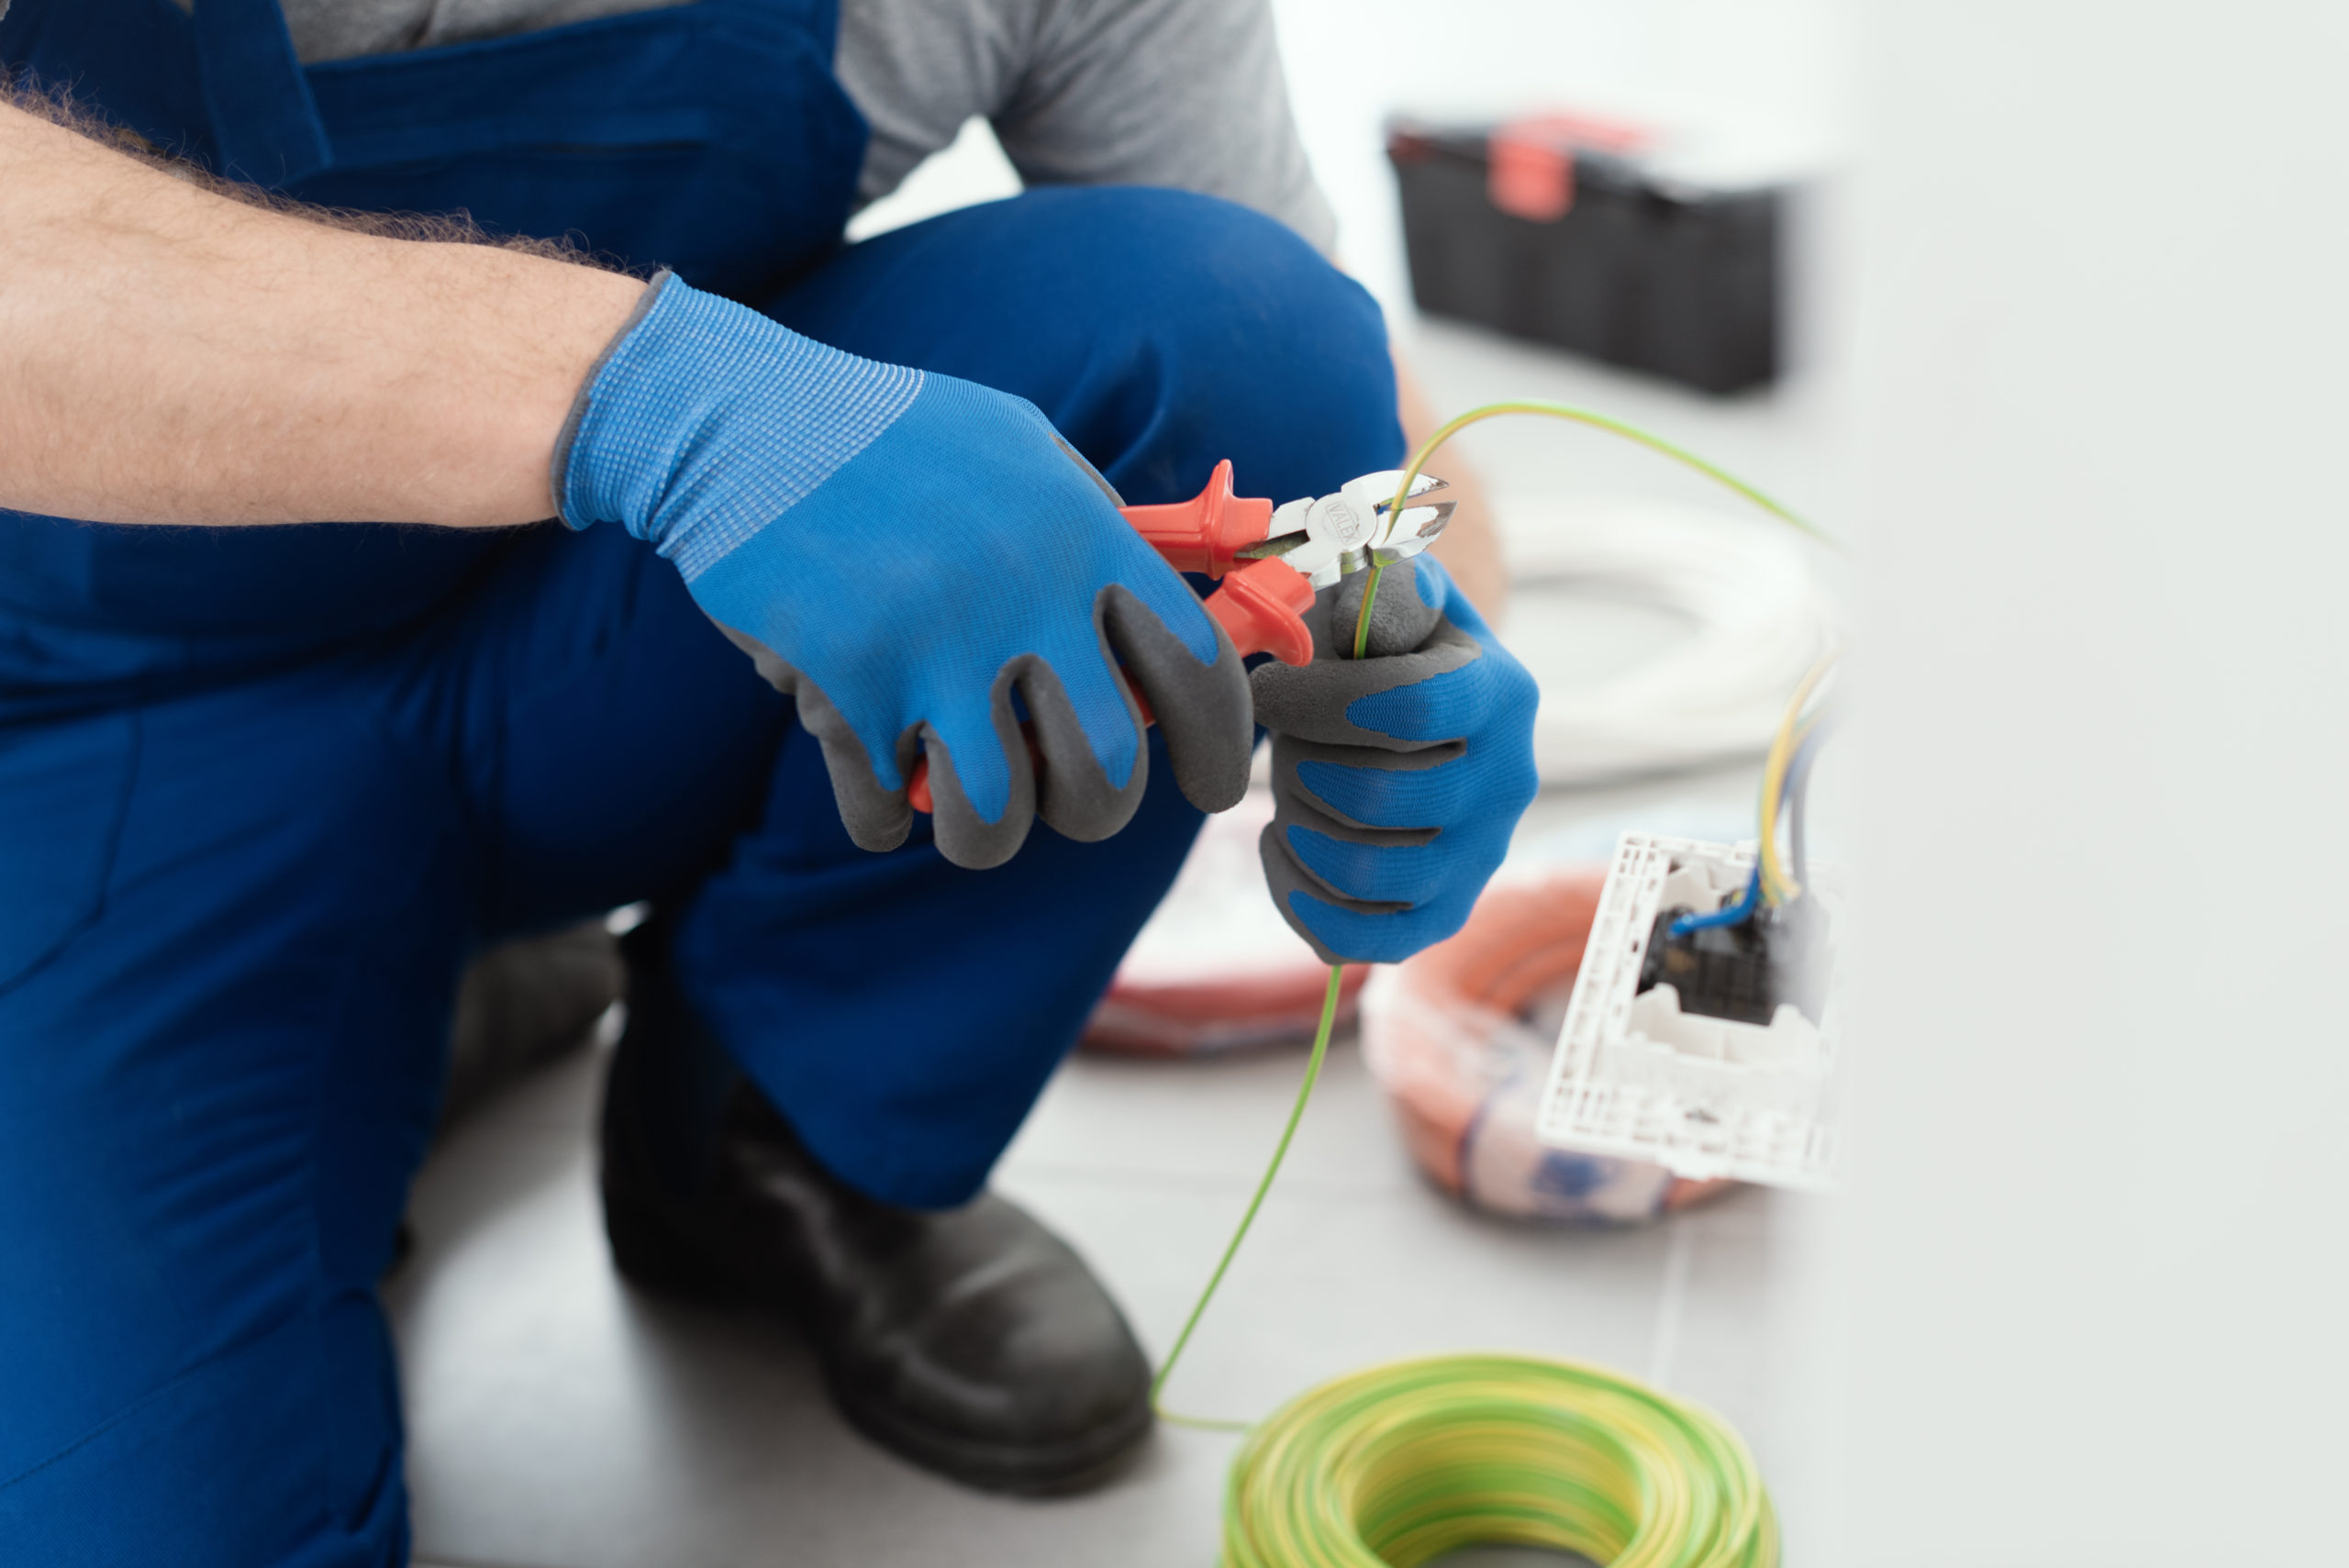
{"x": 1635, "y": 1077}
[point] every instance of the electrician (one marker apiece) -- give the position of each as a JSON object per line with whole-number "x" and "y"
{"x": 275, "y": 759}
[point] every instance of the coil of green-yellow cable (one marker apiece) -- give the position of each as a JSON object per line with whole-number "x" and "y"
{"x": 1394, "y": 1465}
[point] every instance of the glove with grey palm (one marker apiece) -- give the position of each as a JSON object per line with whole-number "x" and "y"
{"x": 1397, "y": 777}
{"x": 914, "y": 559}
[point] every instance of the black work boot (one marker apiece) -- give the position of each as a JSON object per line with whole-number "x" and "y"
{"x": 971, "y": 1340}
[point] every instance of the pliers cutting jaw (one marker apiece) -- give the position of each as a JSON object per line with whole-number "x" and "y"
{"x": 1272, "y": 559}
{"x": 1353, "y": 529}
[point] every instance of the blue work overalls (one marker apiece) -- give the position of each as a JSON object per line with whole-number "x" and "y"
{"x": 263, "y": 791}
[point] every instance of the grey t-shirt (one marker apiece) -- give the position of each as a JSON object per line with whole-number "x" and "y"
{"x": 1181, "y": 93}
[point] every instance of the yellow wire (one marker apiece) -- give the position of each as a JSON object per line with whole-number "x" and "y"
{"x": 1778, "y": 885}
{"x": 1394, "y": 1465}
{"x": 1623, "y": 428}
{"x": 1271, "y": 1169}
{"x": 1777, "y": 802}
{"x": 1280, "y": 1150}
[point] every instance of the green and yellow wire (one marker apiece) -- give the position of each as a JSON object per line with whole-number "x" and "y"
{"x": 1394, "y": 1465}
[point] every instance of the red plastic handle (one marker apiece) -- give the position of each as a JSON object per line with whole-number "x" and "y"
{"x": 1203, "y": 533}
{"x": 1261, "y": 607}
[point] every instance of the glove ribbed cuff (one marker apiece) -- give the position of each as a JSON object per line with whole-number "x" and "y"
{"x": 655, "y": 444}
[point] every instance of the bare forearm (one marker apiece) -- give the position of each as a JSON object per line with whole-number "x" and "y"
{"x": 167, "y": 354}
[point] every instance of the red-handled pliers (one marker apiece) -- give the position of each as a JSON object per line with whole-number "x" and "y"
{"x": 1271, "y": 559}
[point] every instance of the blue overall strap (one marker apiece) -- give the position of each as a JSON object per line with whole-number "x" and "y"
{"x": 264, "y": 122}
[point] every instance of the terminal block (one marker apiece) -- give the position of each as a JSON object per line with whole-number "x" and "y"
{"x": 1709, "y": 1052}
{"x": 1744, "y": 973}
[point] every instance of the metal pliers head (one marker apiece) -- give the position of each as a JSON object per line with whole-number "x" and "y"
{"x": 1358, "y": 528}
{"x": 1271, "y": 558}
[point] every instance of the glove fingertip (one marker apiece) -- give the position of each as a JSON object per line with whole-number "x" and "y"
{"x": 879, "y": 837}
{"x": 963, "y": 836}
{"x": 1205, "y": 709}
{"x": 1290, "y": 890}
{"x": 1212, "y": 772}
{"x": 1075, "y": 795}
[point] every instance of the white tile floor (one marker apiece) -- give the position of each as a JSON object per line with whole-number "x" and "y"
{"x": 561, "y": 1420}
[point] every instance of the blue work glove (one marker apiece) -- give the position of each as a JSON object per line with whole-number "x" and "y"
{"x": 1397, "y": 777}
{"x": 914, "y": 559}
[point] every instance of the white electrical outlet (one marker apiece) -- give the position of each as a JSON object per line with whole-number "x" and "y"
{"x": 1636, "y": 1076}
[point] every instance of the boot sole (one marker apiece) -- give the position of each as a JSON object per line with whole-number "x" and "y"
{"x": 1075, "y": 1464}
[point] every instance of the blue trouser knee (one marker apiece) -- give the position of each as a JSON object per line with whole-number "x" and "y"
{"x": 223, "y": 1008}
{"x": 1163, "y": 332}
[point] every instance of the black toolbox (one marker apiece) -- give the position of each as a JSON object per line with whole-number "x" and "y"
{"x": 1535, "y": 231}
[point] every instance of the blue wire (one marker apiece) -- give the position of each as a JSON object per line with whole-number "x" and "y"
{"x": 1791, "y": 788}
{"x": 1729, "y": 915}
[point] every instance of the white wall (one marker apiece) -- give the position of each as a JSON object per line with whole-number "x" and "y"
{"x": 2094, "y": 1301}
{"x": 2088, "y": 1305}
